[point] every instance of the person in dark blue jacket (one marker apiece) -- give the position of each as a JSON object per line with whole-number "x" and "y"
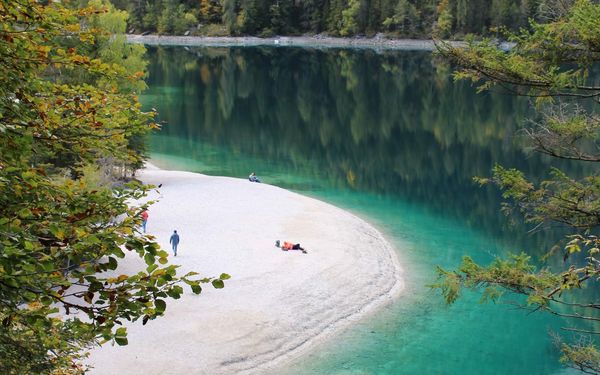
{"x": 174, "y": 241}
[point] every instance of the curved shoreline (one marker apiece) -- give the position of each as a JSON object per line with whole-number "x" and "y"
{"x": 278, "y": 305}
{"x": 376, "y": 43}
{"x": 385, "y": 297}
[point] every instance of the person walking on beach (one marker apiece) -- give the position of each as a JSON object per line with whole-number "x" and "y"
{"x": 174, "y": 241}
{"x": 144, "y": 219}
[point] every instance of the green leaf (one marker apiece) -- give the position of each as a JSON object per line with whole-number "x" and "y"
{"x": 112, "y": 263}
{"x": 57, "y": 231}
{"x": 196, "y": 288}
{"x": 93, "y": 239}
{"x": 175, "y": 292}
{"x": 149, "y": 259}
{"x": 160, "y": 306}
{"x": 218, "y": 284}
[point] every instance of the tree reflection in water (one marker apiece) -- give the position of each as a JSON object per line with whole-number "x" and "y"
{"x": 387, "y": 123}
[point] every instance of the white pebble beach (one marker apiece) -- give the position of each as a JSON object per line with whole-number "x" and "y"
{"x": 277, "y": 304}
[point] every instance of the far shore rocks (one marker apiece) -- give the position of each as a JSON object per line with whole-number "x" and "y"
{"x": 317, "y": 41}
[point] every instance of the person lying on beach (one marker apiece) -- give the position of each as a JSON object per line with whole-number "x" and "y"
{"x": 253, "y": 177}
{"x": 289, "y": 246}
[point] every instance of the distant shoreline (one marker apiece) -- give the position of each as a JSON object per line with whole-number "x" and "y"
{"x": 376, "y": 43}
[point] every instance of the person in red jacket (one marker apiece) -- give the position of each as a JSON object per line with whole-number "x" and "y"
{"x": 289, "y": 246}
{"x": 144, "y": 219}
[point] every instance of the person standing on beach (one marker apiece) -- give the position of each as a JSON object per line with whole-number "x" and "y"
{"x": 144, "y": 219}
{"x": 174, "y": 241}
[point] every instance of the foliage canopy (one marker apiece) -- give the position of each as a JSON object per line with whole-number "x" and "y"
{"x": 65, "y": 103}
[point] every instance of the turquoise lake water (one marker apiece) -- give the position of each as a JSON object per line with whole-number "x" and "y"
{"x": 392, "y": 138}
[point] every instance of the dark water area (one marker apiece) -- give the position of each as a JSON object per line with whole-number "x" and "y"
{"x": 390, "y": 136}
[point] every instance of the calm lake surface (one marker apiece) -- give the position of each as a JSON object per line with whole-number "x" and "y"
{"x": 392, "y": 138}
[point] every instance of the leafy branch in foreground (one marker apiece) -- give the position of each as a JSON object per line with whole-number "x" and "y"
{"x": 61, "y": 234}
{"x": 552, "y": 63}
{"x": 544, "y": 290}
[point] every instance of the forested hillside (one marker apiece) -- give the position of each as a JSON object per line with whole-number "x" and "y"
{"x": 399, "y": 18}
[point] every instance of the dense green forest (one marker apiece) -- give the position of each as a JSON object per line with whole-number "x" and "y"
{"x": 399, "y": 18}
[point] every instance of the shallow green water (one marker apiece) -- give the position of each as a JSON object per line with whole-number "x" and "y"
{"x": 392, "y": 138}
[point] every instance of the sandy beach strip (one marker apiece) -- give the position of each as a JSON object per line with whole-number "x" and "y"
{"x": 376, "y": 43}
{"x": 277, "y": 304}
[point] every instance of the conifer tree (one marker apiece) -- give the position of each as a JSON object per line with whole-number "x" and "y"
{"x": 552, "y": 64}
{"x": 349, "y": 22}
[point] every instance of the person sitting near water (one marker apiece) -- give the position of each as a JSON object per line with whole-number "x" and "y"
{"x": 289, "y": 246}
{"x": 253, "y": 177}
